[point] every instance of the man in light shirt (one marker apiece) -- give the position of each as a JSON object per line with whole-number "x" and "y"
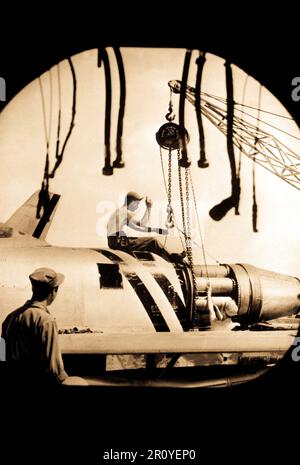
{"x": 124, "y": 217}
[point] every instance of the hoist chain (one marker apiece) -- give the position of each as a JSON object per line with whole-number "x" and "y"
{"x": 188, "y": 213}
{"x": 181, "y": 199}
{"x": 186, "y": 220}
{"x": 170, "y": 218}
{"x": 189, "y": 250}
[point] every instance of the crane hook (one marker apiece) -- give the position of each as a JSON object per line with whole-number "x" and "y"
{"x": 170, "y": 116}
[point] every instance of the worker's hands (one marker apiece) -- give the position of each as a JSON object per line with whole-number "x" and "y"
{"x": 149, "y": 202}
{"x": 170, "y": 218}
{"x": 170, "y": 224}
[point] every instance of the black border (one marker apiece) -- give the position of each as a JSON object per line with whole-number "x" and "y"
{"x": 258, "y": 417}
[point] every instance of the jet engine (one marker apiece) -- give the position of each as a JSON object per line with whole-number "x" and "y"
{"x": 260, "y": 294}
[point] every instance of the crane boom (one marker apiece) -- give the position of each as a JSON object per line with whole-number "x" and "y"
{"x": 257, "y": 144}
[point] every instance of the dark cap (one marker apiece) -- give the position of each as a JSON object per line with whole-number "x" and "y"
{"x": 46, "y": 276}
{"x": 131, "y": 196}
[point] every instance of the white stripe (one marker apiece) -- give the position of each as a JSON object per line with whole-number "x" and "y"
{"x": 155, "y": 290}
{"x": 166, "y": 268}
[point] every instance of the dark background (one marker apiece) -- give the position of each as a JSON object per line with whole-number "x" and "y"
{"x": 255, "y": 421}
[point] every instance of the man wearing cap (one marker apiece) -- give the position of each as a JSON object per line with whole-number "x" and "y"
{"x": 123, "y": 217}
{"x": 31, "y": 335}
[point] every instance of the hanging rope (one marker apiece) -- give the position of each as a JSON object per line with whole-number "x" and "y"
{"x": 47, "y": 127}
{"x": 60, "y": 153}
{"x": 242, "y": 115}
{"x": 185, "y": 162}
{"x": 198, "y": 224}
{"x": 235, "y": 181}
{"x": 118, "y": 162}
{"x": 59, "y": 114}
{"x": 219, "y": 211}
{"x": 202, "y": 162}
{"x": 103, "y": 57}
{"x": 189, "y": 250}
{"x": 254, "y": 202}
{"x": 44, "y": 199}
{"x": 182, "y": 200}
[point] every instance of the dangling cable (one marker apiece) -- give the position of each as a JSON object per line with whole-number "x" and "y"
{"x": 44, "y": 199}
{"x": 254, "y": 204}
{"x": 47, "y": 130}
{"x": 103, "y": 57}
{"x": 186, "y": 223}
{"x": 59, "y": 155}
{"x": 235, "y": 184}
{"x": 220, "y": 210}
{"x": 59, "y": 114}
{"x": 242, "y": 116}
{"x": 184, "y": 155}
{"x": 119, "y": 163}
{"x": 189, "y": 250}
{"x": 181, "y": 199}
{"x": 198, "y": 223}
{"x": 202, "y": 162}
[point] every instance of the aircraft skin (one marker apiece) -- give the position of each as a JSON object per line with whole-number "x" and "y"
{"x": 81, "y": 301}
{"x": 120, "y": 303}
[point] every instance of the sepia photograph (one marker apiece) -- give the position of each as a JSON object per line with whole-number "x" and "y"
{"x": 149, "y": 233}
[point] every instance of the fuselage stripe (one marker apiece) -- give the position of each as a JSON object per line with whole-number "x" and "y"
{"x": 173, "y": 298}
{"x": 142, "y": 293}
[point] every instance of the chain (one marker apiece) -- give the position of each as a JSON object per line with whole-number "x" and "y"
{"x": 170, "y": 178}
{"x": 186, "y": 221}
{"x": 170, "y": 219}
{"x": 182, "y": 200}
{"x": 166, "y": 190}
{"x": 189, "y": 250}
{"x": 188, "y": 213}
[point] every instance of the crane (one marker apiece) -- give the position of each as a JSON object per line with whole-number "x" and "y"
{"x": 257, "y": 144}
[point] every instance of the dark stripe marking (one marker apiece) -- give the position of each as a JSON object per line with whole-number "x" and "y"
{"x": 46, "y": 216}
{"x": 148, "y": 302}
{"x": 110, "y": 255}
{"x": 142, "y": 292}
{"x": 174, "y": 299}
